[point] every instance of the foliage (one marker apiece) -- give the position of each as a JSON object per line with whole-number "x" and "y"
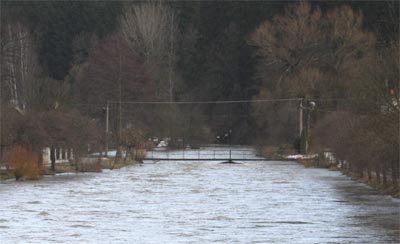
{"x": 133, "y": 137}
{"x": 24, "y": 130}
{"x": 330, "y": 57}
{"x": 78, "y": 56}
{"x": 150, "y": 30}
{"x": 55, "y": 24}
{"x": 309, "y": 54}
{"x": 24, "y": 163}
{"x": 70, "y": 129}
{"x": 112, "y": 72}
{"x": 66, "y": 128}
{"x": 19, "y": 64}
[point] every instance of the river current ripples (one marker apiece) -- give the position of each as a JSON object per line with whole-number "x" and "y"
{"x": 198, "y": 202}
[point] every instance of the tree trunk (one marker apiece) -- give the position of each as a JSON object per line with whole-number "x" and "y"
{"x": 1, "y": 148}
{"x": 395, "y": 174}
{"x": 53, "y": 158}
{"x": 369, "y": 172}
{"x": 100, "y": 156}
{"x": 378, "y": 175}
{"x": 384, "y": 178}
{"x": 40, "y": 160}
{"x": 118, "y": 154}
{"x": 126, "y": 154}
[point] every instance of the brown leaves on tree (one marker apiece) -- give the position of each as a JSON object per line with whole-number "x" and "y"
{"x": 112, "y": 71}
{"x": 24, "y": 163}
{"x": 305, "y": 52}
{"x": 68, "y": 129}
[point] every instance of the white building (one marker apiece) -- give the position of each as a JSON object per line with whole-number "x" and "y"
{"x": 63, "y": 156}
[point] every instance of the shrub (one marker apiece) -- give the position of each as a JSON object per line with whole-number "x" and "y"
{"x": 149, "y": 145}
{"x": 89, "y": 167}
{"x": 139, "y": 153}
{"x": 269, "y": 151}
{"x": 24, "y": 163}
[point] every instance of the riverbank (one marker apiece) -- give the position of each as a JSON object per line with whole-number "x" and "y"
{"x": 373, "y": 182}
{"x": 97, "y": 167}
{"x": 328, "y": 162}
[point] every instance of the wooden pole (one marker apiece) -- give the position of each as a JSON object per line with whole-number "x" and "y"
{"x": 301, "y": 117}
{"x": 107, "y": 130}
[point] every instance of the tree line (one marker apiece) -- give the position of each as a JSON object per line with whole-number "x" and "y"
{"x": 62, "y": 63}
{"x": 329, "y": 58}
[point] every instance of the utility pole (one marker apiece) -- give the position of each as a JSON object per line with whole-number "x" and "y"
{"x": 107, "y": 130}
{"x": 307, "y": 130}
{"x": 1, "y": 108}
{"x": 301, "y": 118}
{"x": 171, "y": 87}
{"x": 309, "y": 108}
{"x": 119, "y": 147}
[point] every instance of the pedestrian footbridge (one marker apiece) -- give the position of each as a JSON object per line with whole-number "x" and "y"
{"x": 228, "y": 155}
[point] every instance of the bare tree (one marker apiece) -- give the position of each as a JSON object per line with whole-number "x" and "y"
{"x": 114, "y": 72}
{"x": 150, "y": 29}
{"x": 132, "y": 138}
{"x": 112, "y": 63}
{"x": 306, "y": 53}
{"x": 368, "y": 136}
{"x": 19, "y": 64}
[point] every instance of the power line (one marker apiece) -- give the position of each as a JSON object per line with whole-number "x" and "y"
{"x": 211, "y": 102}
{"x": 222, "y": 102}
{"x": 195, "y": 102}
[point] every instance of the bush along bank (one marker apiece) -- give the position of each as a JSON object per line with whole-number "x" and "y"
{"x": 21, "y": 169}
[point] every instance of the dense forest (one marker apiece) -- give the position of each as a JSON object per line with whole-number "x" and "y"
{"x": 64, "y": 63}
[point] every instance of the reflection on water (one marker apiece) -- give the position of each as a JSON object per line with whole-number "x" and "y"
{"x": 198, "y": 202}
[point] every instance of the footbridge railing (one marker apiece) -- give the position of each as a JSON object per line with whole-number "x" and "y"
{"x": 226, "y": 155}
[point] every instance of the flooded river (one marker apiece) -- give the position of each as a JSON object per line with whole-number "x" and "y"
{"x": 198, "y": 202}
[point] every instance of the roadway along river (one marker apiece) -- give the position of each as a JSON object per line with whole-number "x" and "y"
{"x": 198, "y": 202}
